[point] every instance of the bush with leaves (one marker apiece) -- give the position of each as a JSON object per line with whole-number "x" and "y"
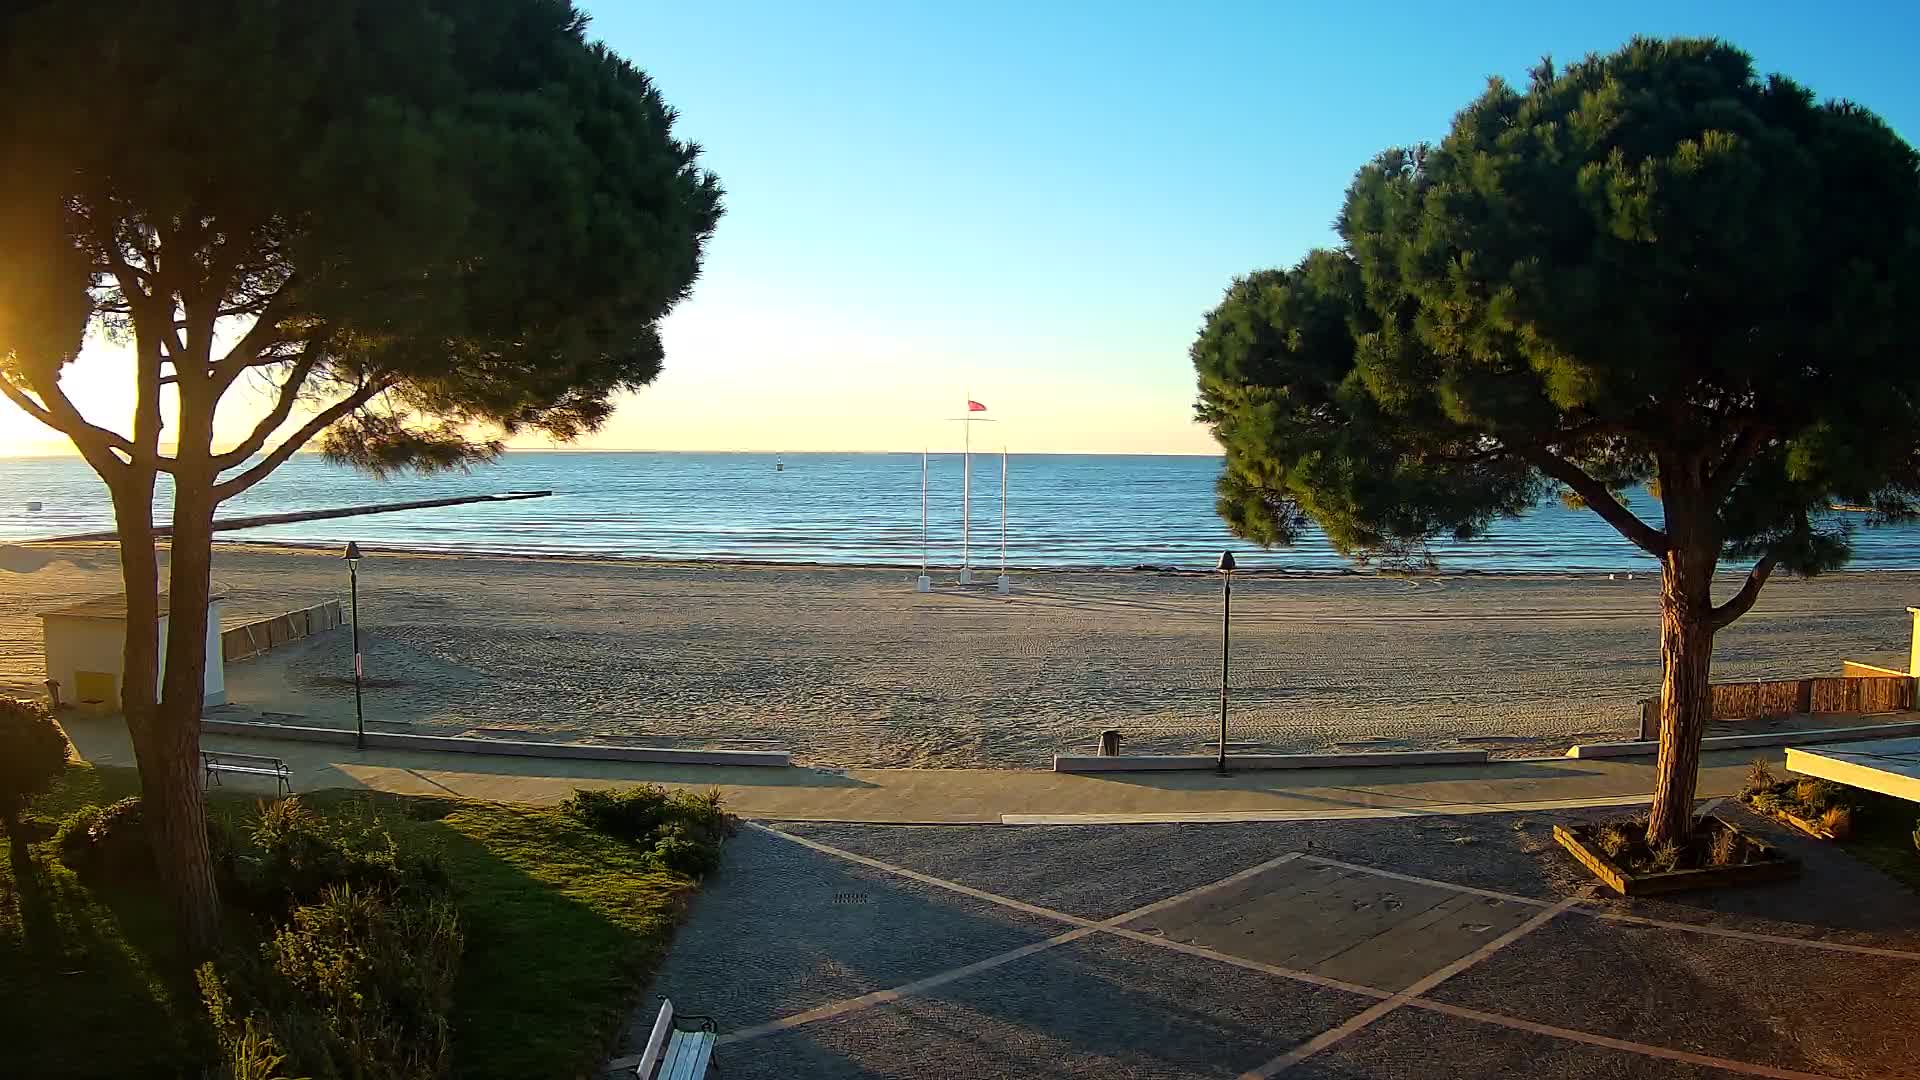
{"x": 296, "y": 854}
{"x": 107, "y": 841}
{"x": 33, "y": 754}
{"x": 110, "y": 843}
{"x": 682, "y": 830}
{"x": 247, "y": 1050}
{"x": 357, "y": 986}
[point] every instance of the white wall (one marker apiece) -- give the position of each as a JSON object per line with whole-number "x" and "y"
{"x": 75, "y": 644}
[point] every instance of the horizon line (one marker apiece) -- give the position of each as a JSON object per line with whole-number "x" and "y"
{"x": 75, "y": 455}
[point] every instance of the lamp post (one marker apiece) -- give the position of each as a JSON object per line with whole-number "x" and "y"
{"x": 1226, "y": 630}
{"x": 353, "y": 577}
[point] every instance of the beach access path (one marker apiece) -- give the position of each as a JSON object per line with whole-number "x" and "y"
{"x": 967, "y": 796}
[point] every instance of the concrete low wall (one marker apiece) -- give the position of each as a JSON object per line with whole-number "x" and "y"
{"x": 1086, "y": 763}
{"x": 455, "y": 744}
{"x": 254, "y": 638}
{"x": 1651, "y": 747}
{"x": 1853, "y": 669}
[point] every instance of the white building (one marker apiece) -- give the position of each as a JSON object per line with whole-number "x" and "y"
{"x": 86, "y": 642}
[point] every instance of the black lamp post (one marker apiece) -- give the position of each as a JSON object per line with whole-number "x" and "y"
{"x": 353, "y": 577}
{"x": 1226, "y": 629}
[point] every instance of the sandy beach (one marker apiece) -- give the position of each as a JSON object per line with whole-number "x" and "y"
{"x": 849, "y": 667}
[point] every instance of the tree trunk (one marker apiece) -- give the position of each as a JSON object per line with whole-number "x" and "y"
{"x": 180, "y": 826}
{"x": 167, "y": 752}
{"x": 1686, "y": 652}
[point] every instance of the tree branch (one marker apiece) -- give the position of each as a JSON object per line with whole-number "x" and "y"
{"x": 1742, "y": 601}
{"x": 1745, "y": 447}
{"x": 264, "y": 332}
{"x": 1599, "y": 500}
{"x": 282, "y": 408}
{"x": 58, "y": 413}
{"x": 325, "y": 419}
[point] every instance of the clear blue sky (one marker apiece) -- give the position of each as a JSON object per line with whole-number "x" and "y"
{"x": 1035, "y": 203}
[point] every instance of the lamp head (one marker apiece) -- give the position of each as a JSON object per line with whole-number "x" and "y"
{"x": 1226, "y": 562}
{"x": 353, "y": 552}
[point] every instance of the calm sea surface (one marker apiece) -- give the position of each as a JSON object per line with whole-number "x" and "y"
{"x": 1062, "y": 510}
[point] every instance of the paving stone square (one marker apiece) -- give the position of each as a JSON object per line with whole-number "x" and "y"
{"x": 1338, "y": 922}
{"x": 781, "y": 929}
{"x": 1412, "y": 1044}
{"x": 1790, "y": 1007}
{"x": 1101, "y": 1007}
{"x": 922, "y": 963}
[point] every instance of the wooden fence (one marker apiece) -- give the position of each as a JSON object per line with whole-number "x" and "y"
{"x": 254, "y": 638}
{"x": 1864, "y": 689}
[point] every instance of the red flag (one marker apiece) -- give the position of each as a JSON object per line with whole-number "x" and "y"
{"x": 974, "y": 406}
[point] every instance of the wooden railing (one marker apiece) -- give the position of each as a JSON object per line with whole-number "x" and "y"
{"x": 1863, "y": 689}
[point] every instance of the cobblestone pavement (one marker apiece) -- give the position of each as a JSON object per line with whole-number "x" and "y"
{"x": 1399, "y": 948}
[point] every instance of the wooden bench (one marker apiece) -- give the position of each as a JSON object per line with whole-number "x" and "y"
{"x": 674, "y": 1053}
{"x": 221, "y": 761}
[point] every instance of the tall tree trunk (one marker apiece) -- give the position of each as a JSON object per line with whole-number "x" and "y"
{"x": 1686, "y": 649}
{"x": 174, "y": 790}
{"x": 167, "y": 754}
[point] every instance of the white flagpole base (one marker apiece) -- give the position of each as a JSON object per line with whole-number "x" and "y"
{"x": 1003, "y": 586}
{"x": 923, "y": 584}
{"x": 966, "y": 577}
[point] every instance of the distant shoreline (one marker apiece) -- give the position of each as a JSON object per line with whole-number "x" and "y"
{"x": 984, "y": 573}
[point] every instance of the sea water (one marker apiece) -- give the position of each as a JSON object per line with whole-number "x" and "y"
{"x": 1061, "y": 511}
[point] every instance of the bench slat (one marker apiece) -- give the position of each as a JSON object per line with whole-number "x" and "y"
{"x": 687, "y": 1055}
{"x": 221, "y": 756}
{"x": 656, "y": 1040}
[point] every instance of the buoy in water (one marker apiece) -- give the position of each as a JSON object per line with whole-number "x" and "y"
{"x": 779, "y": 466}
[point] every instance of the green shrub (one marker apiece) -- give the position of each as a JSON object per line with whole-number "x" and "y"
{"x": 678, "y": 849}
{"x": 33, "y": 754}
{"x": 1814, "y": 795}
{"x": 1665, "y": 858}
{"x": 682, "y": 830}
{"x": 1759, "y": 777}
{"x": 108, "y": 841}
{"x": 357, "y": 986}
{"x": 247, "y": 1050}
{"x": 634, "y": 814}
{"x": 296, "y": 855}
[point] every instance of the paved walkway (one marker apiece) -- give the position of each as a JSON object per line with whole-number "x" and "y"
{"x": 1353, "y": 950}
{"x": 971, "y": 795}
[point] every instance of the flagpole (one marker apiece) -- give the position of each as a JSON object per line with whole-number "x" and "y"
{"x": 966, "y": 498}
{"x": 925, "y": 583}
{"x": 1003, "y": 584}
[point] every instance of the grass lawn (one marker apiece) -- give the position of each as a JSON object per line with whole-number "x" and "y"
{"x": 1883, "y": 835}
{"x": 563, "y": 927}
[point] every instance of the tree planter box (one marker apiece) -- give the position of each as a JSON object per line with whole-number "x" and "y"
{"x": 1789, "y": 818}
{"x": 1773, "y": 867}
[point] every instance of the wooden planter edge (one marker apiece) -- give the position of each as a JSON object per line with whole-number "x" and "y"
{"x": 1785, "y": 817}
{"x": 1776, "y": 868}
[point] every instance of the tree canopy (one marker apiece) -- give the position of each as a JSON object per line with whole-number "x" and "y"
{"x": 424, "y": 221}
{"x": 1650, "y": 266}
{"x": 412, "y": 226}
